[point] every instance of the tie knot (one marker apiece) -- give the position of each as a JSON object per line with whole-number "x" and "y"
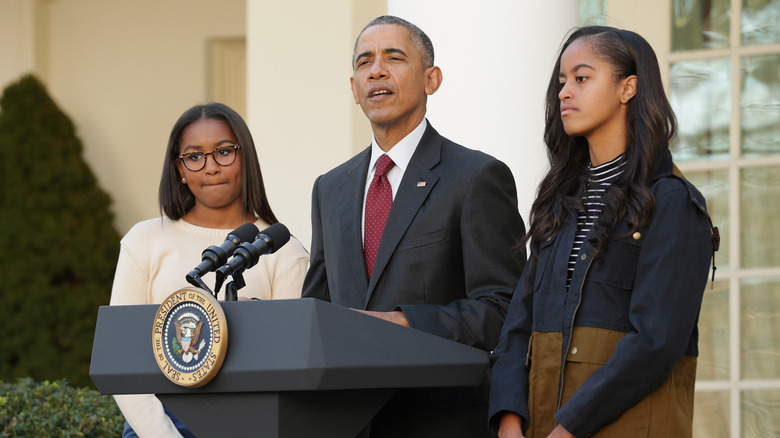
{"x": 383, "y": 165}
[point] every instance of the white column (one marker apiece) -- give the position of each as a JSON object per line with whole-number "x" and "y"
{"x": 299, "y": 104}
{"x": 497, "y": 58}
{"x": 17, "y": 42}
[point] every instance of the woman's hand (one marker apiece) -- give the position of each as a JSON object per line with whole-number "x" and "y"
{"x": 511, "y": 426}
{"x": 560, "y": 432}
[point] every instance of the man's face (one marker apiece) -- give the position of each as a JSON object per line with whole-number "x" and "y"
{"x": 389, "y": 80}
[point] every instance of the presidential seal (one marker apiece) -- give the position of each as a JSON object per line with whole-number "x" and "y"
{"x": 189, "y": 337}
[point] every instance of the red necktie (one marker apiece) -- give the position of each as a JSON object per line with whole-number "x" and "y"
{"x": 378, "y": 202}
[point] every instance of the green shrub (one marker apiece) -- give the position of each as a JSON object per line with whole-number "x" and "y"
{"x": 58, "y": 245}
{"x": 30, "y": 409}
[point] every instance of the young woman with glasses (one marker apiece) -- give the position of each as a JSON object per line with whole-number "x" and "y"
{"x": 210, "y": 185}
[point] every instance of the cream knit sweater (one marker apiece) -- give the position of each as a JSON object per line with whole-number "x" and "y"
{"x": 155, "y": 256}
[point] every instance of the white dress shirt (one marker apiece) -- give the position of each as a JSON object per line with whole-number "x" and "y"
{"x": 401, "y": 154}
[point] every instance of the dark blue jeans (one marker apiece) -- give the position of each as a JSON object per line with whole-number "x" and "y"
{"x": 130, "y": 433}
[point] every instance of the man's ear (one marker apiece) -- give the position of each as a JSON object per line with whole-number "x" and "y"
{"x": 628, "y": 91}
{"x": 354, "y": 92}
{"x": 433, "y": 79}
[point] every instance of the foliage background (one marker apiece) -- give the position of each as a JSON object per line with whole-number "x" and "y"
{"x": 54, "y": 409}
{"x": 58, "y": 245}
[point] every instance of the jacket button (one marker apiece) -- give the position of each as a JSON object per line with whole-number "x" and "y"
{"x": 574, "y": 350}
{"x": 584, "y": 256}
{"x": 637, "y": 235}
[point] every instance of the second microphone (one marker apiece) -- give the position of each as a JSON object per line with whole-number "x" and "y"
{"x": 247, "y": 254}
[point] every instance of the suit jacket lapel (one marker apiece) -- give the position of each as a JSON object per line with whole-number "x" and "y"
{"x": 350, "y": 209}
{"x": 410, "y": 197}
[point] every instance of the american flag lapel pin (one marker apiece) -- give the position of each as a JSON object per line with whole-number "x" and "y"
{"x": 421, "y": 184}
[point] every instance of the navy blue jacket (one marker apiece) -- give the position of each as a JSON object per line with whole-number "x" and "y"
{"x": 647, "y": 287}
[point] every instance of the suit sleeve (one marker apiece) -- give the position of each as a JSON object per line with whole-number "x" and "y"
{"x": 315, "y": 285}
{"x": 490, "y": 227}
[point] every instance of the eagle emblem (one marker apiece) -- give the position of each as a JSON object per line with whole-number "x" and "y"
{"x": 189, "y": 337}
{"x": 188, "y": 326}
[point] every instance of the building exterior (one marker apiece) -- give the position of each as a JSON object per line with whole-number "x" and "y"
{"x": 124, "y": 71}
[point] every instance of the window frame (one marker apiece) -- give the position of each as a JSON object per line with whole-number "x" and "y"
{"x": 653, "y": 21}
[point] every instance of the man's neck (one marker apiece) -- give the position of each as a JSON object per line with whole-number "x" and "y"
{"x": 386, "y": 139}
{"x": 387, "y": 136}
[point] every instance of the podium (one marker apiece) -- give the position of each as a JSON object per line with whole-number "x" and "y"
{"x": 293, "y": 368}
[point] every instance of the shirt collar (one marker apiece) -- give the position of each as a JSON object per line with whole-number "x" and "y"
{"x": 402, "y": 152}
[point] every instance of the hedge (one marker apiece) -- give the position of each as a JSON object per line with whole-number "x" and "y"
{"x": 54, "y": 409}
{"x": 59, "y": 244}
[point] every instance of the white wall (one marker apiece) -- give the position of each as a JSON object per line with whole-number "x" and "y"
{"x": 124, "y": 72}
{"x": 496, "y": 57}
{"x": 16, "y": 40}
{"x": 299, "y": 103}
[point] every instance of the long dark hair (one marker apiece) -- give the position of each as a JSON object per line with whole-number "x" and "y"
{"x": 176, "y": 199}
{"x": 651, "y": 126}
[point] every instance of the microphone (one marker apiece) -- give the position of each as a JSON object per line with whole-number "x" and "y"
{"x": 214, "y": 256}
{"x": 247, "y": 254}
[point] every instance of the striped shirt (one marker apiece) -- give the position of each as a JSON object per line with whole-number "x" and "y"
{"x": 599, "y": 179}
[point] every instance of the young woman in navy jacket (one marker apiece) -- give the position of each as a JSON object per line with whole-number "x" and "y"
{"x": 601, "y": 338}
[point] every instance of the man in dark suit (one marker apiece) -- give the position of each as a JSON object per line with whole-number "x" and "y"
{"x": 443, "y": 262}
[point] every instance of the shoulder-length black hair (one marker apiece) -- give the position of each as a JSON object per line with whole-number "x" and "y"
{"x": 176, "y": 199}
{"x": 651, "y": 127}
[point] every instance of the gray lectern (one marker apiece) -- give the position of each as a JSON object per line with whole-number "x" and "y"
{"x": 294, "y": 368}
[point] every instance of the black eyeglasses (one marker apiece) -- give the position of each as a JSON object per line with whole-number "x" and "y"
{"x": 223, "y": 155}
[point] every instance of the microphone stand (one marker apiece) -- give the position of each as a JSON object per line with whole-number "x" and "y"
{"x": 231, "y": 290}
{"x": 196, "y": 281}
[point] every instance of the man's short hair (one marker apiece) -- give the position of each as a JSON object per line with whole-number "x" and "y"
{"x": 419, "y": 38}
